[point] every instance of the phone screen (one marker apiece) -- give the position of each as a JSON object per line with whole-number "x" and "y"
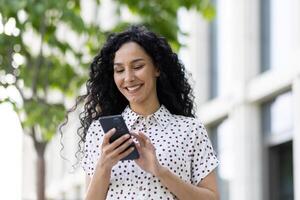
{"x": 117, "y": 122}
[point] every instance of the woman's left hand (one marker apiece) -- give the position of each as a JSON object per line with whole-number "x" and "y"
{"x": 147, "y": 160}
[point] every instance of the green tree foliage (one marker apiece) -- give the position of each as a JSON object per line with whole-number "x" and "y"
{"x": 46, "y": 68}
{"x": 161, "y": 16}
{"x": 38, "y": 66}
{"x": 47, "y": 62}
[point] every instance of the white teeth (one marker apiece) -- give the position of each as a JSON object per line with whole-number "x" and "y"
{"x": 133, "y": 88}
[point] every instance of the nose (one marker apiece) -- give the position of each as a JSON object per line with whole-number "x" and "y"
{"x": 129, "y": 76}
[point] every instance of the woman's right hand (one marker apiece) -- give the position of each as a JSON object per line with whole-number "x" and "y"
{"x": 110, "y": 154}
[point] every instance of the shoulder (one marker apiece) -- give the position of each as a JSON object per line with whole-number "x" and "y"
{"x": 94, "y": 130}
{"x": 188, "y": 121}
{"x": 193, "y": 125}
{"x": 95, "y": 125}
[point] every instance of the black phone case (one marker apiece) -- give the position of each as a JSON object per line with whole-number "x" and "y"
{"x": 117, "y": 121}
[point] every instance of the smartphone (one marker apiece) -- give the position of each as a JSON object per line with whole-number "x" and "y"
{"x": 117, "y": 122}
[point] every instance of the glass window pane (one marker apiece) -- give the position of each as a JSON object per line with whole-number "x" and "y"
{"x": 281, "y": 172}
{"x": 220, "y": 137}
{"x": 281, "y": 32}
{"x": 213, "y": 70}
{"x": 276, "y": 33}
{"x": 265, "y": 35}
{"x": 277, "y": 115}
{"x": 213, "y": 79}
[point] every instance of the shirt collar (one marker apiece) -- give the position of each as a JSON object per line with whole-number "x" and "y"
{"x": 129, "y": 116}
{"x": 162, "y": 116}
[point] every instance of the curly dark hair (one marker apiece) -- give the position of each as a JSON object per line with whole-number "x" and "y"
{"x": 103, "y": 97}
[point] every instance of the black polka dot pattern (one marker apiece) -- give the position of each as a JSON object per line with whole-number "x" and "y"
{"x": 181, "y": 143}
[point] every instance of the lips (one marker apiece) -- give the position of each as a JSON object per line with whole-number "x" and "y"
{"x": 134, "y": 88}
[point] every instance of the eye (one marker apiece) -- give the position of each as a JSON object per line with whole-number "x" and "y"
{"x": 118, "y": 70}
{"x": 138, "y": 66}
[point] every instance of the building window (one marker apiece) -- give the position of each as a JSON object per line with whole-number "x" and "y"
{"x": 277, "y": 128}
{"x": 221, "y": 138}
{"x": 213, "y": 59}
{"x": 277, "y": 122}
{"x": 276, "y": 30}
{"x": 281, "y": 172}
{"x": 265, "y": 35}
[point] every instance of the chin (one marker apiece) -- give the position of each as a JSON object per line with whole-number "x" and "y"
{"x": 134, "y": 100}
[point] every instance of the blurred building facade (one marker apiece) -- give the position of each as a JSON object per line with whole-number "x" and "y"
{"x": 246, "y": 68}
{"x": 246, "y": 76}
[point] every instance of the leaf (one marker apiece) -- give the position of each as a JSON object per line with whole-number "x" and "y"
{"x": 209, "y": 12}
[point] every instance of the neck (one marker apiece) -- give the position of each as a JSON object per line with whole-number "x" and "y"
{"x": 145, "y": 109}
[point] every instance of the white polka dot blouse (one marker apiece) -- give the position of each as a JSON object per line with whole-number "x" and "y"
{"x": 182, "y": 145}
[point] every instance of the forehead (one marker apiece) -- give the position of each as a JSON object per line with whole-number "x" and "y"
{"x": 129, "y": 51}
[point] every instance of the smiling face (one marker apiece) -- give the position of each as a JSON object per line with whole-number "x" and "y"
{"x": 135, "y": 75}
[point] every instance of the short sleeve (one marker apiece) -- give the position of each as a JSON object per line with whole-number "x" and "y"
{"x": 204, "y": 158}
{"x": 91, "y": 148}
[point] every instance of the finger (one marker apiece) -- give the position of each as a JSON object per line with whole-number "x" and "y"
{"x": 107, "y": 136}
{"x": 125, "y": 153}
{"x": 139, "y": 138}
{"x": 149, "y": 144}
{"x": 142, "y": 135}
{"x": 119, "y": 141}
{"x": 122, "y": 148}
{"x": 138, "y": 147}
{"x": 146, "y": 139}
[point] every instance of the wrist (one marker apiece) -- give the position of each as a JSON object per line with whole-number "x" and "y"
{"x": 103, "y": 169}
{"x": 161, "y": 171}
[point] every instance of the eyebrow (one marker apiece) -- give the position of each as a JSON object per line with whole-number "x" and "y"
{"x": 133, "y": 61}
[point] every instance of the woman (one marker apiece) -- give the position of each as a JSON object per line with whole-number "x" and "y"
{"x": 136, "y": 74}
